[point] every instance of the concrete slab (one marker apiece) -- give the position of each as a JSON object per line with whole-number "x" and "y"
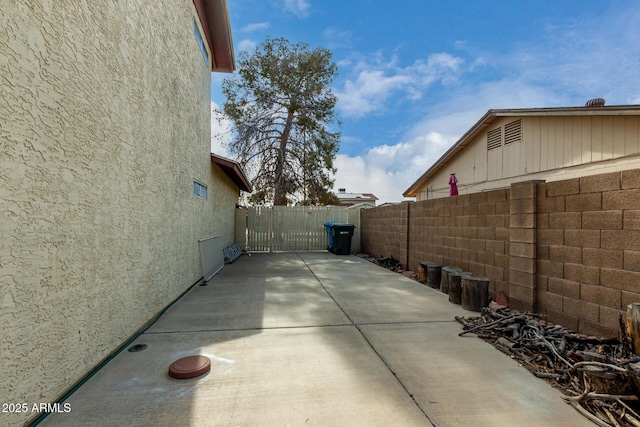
{"x": 330, "y": 265}
{"x": 463, "y": 381}
{"x": 284, "y": 351}
{"x": 376, "y": 298}
{"x": 265, "y": 301}
{"x": 308, "y": 376}
{"x": 281, "y": 264}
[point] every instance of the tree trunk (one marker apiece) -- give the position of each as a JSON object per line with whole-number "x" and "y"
{"x": 279, "y": 191}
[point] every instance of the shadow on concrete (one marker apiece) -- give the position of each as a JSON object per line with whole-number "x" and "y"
{"x": 314, "y": 339}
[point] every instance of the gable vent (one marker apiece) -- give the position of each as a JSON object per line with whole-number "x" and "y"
{"x": 513, "y": 132}
{"x": 494, "y": 139}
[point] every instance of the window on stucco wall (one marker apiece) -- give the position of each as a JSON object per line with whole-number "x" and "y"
{"x": 198, "y": 35}
{"x": 199, "y": 190}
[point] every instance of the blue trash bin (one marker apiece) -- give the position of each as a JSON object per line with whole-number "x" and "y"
{"x": 328, "y": 226}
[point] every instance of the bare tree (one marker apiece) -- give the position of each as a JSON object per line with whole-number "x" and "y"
{"x": 282, "y": 106}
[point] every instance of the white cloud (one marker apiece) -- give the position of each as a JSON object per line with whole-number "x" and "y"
{"x": 594, "y": 59}
{"x": 337, "y": 38}
{"x": 221, "y": 131}
{"x": 255, "y": 27}
{"x": 439, "y": 66}
{"x": 368, "y": 92}
{"x": 579, "y": 60}
{"x": 388, "y": 170}
{"x": 563, "y": 65}
{"x": 300, "y": 8}
{"x": 376, "y": 81}
{"x": 247, "y": 45}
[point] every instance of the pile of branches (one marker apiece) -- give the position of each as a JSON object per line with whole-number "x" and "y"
{"x": 599, "y": 377}
{"x": 390, "y": 263}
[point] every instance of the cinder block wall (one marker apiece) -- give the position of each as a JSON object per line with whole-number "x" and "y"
{"x": 469, "y": 231}
{"x": 588, "y": 244}
{"x": 569, "y": 249}
{"x": 384, "y": 231}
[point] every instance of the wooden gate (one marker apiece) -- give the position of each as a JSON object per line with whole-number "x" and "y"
{"x": 291, "y": 228}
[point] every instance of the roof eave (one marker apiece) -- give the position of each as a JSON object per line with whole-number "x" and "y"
{"x": 455, "y": 148}
{"x": 234, "y": 171}
{"x": 490, "y": 115}
{"x": 219, "y": 35}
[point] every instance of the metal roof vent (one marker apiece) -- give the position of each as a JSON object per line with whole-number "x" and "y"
{"x": 595, "y": 102}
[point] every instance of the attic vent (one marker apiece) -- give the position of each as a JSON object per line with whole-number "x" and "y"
{"x": 513, "y": 132}
{"x": 494, "y": 139}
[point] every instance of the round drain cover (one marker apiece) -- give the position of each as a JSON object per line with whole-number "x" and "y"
{"x": 137, "y": 347}
{"x": 189, "y": 367}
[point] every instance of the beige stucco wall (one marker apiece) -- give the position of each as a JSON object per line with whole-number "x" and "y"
{"x": 552, "y": 148}
{"x": 105, "y": 125}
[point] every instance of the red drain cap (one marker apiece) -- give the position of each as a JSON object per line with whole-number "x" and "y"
{"x": 189, "y": 367}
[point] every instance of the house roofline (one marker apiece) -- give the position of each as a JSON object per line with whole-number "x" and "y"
{"x": 234, "y": 171}
{"x": 491, "y": 115}
{"x": 214, "y": 17}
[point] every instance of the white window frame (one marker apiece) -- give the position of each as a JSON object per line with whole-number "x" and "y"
{"x": 200, "y": 190}
{"x": 198, "y": 35}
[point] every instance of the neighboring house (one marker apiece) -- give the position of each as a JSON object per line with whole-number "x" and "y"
{"x": 348, "y": 199}
{"x": 362, "y": 205}
{"x": 107, "y": 180}
{"x": 551, "y": 144}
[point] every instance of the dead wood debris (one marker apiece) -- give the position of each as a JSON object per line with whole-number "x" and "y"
{"x": 390, "y": 263}
{"x": 599, "y": 377}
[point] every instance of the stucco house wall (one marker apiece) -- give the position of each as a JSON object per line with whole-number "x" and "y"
{"x": 105, "y": 126}
{"x": 551, "y": 144}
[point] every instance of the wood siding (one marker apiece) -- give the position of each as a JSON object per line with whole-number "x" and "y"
{"x": 552, "y": 148}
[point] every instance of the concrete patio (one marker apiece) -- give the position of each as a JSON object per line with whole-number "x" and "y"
{"x": 315, "y": 339}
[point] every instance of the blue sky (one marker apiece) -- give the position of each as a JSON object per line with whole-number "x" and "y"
{"x": 414, "y": 75}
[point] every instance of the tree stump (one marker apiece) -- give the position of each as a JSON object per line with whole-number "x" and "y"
{"x": 475, "y": 292}
{"x": 601, "y": 380}
{"x": 455, "y": 287}
{"x": 633, "y": 326}
{"x": 422, "y": 272}
{"x": 434, "y": 272}
{"x": 444, "y": 278}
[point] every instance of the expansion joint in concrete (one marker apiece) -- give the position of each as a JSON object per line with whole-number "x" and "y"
{"x": 357, "y": 326}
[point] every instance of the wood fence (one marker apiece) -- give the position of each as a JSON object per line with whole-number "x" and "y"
{"x": 291, "y": 228}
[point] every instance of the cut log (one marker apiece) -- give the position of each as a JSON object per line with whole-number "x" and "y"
{"x": 455, "y": 287}
{"x": 434, "y": 272}
{"x": 444, "y": 277}
{"x": 422, "y": 272}
{"x": 633, "y": 326}
{"x": 475, "y": 292}
{"x": 601, "y": 380}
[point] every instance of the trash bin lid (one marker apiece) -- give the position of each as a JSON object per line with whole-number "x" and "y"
{"x": 343, "y": 225}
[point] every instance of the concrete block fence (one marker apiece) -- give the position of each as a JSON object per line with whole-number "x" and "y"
{"x": 569, "y": 249}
